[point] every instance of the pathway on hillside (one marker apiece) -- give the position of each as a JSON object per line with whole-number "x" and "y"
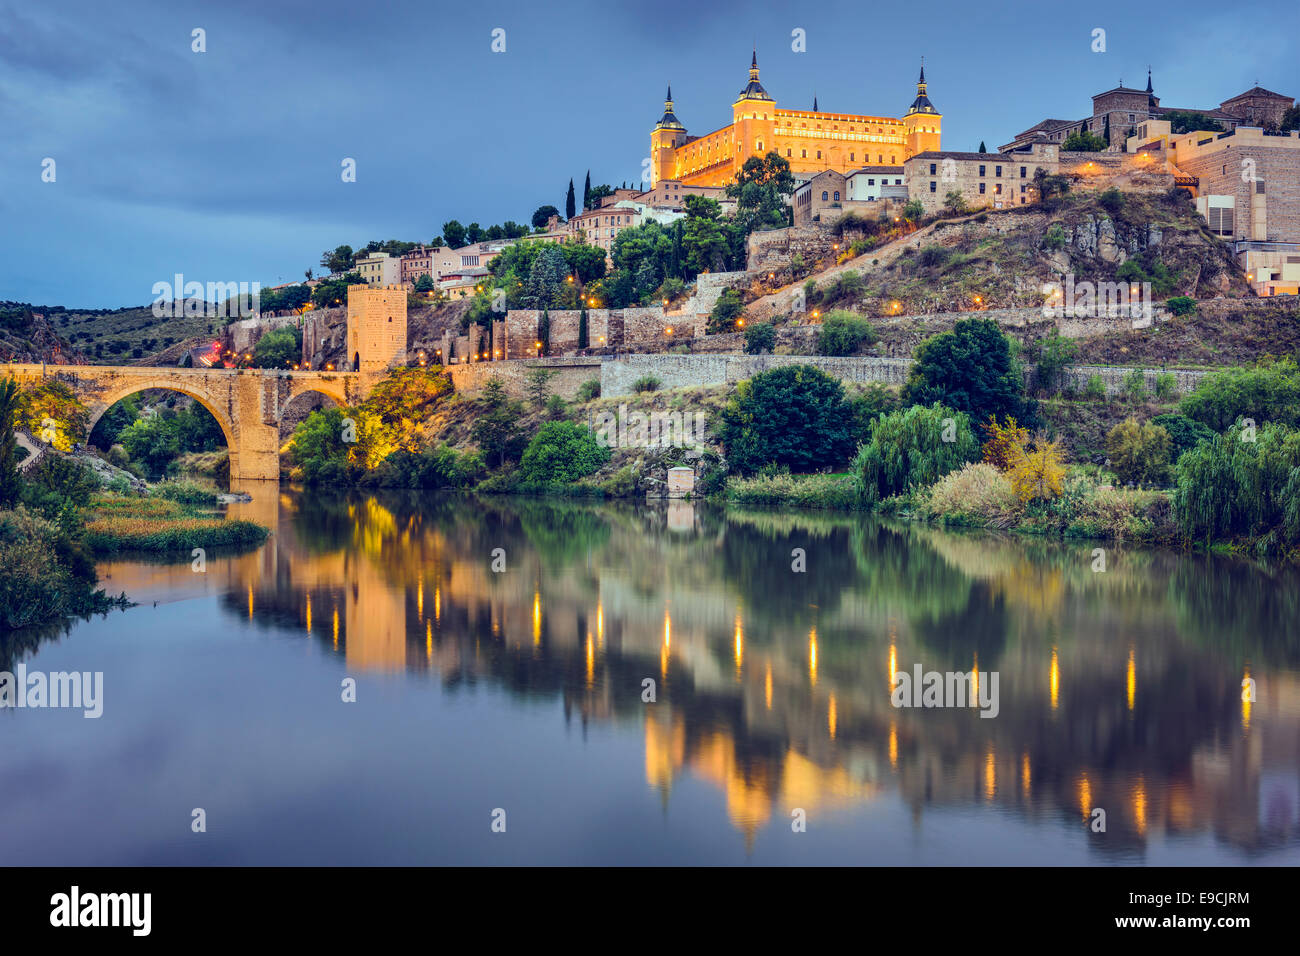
{"x": 778, "y": 302}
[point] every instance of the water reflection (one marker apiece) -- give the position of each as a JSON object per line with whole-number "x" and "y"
{"x": 1119, "y": 690}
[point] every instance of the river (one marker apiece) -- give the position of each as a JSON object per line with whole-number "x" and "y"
{"x": 502, "y": 654}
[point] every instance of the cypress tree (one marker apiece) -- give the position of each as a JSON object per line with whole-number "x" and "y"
{"x": 10, "y": 483}
{"x": 582, "y": 329}
{"x": 570, "y": 203}
{"x": 982, "y": 149}
{"x": 586, "y": 192}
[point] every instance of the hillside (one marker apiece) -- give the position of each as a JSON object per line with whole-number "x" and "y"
{"x": 1002, "y": 259}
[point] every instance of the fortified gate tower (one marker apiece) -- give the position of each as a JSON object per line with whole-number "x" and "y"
{"x": 376, "y": 328}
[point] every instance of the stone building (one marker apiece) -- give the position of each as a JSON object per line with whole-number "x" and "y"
{"x": 984, "y": 180}
{"x": 1118, "y": 112}
{"x": 379, "y": 269}
{"x": 810, "y": 140}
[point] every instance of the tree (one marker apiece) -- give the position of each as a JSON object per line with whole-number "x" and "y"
{"x": 474, "y": 233}
{"x": 570, "y": 203}
{"x": 954, "y": 202}
{"x": 1105, "y": 129}
{"x": 759, "y": 338}
{"x": 1055, "y": 352}
{"x": 970, "y": 369}
{"x": 914, "y": 210}
{"x": 597, "y": 193}
{"x": 586, "y": 192}
{"x": 278, "y": 348}
{"x": 982, "y": 149}
{"x": 52, "y": 412}
{"x": 562, "y": 452}
{"x": 1083, "y": 142}
{"x": 1191, "y": 121}
{"x": 914, "y": 447}
{"x": 1230, "y": 487}
{"x": 496, "y": 427}
{"x": 1139, "y": 453}
{"x": 425, "y": 283}
{"x": 543, "y": 215}
{"x": 725, "y": 312}
{"x": 1290, "y": 120}
{"x": 1269, "y": 391}
{"x": 585, "y": 261}
{"x": 339, "y": 261}
{"x": 1037, "y": 472}
{"x": 453, "y": 233}
{"x": 760, "y": 190}
{"x": 793, "y": 416}
{"x": 10, "y": 483}
{"x": 538, "y": 386}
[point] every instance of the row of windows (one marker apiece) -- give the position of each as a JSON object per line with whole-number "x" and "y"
{"x": 997, "y": 170}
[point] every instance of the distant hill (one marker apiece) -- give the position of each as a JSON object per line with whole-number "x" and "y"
{"x": 97, "y": 336}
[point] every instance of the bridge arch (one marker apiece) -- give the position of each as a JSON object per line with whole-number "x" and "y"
{"x": 108, "y": 399}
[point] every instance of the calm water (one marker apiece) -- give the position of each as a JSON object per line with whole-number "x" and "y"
{"x": 522, "y": 691}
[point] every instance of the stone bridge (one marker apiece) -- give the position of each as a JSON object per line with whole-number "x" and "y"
{"x": 248, "y": 404}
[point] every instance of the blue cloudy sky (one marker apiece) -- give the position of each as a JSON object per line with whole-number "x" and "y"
{"x": 225, "y": 165}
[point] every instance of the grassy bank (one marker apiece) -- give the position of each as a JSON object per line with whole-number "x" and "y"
{"x": 126, "y": 523}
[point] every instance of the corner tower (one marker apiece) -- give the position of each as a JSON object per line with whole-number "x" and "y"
{"x": 753, "y": 120}
{"x": 922, "y": 122}
{"x": 668, "y": 134}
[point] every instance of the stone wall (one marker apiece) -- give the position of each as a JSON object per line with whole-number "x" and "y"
{"x": 617, "y": 375}
{"x": 569, "y": 374}
{"x": 774, "y": 248}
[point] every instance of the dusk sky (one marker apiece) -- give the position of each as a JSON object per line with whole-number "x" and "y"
{"x": 225, "y": 165}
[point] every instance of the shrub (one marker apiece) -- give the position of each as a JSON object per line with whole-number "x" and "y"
{"x": 646, "y": 383}
{"x": 970, "y": 369}
{"x": 1181, "y": 305}
{"x": 759, "y": 338}
{"x": 1134, "y": 385}
{"x": 1111, "y": 200}
{"x": 909, "y": 448}
{"x": 977, "y": 494}
{"x": 588, "y": 390}
{"x": 1165, "y": 385}
{"x": 797, "y": 491}
{"x": 555, "y": 406}
{"x": 795, "y": 415}
{"x": 561, "y": 452}
{"x": 1139, "y": 454}
{"x": 47, "y": 575}
{"x": 438, "y": 466}
{"x": 843, "y": 333}
{"x": 1095, "y": 388}
{"x": 1054, "y": 238}
{"x": 117, "y": 456}
{"x": 873, "y": 400}
{"x": 185, "y": 492}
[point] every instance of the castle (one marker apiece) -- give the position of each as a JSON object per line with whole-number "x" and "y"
{"x": 811, "y": 141}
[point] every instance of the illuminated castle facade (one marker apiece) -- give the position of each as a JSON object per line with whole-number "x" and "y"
{"x": 809, "y": 140}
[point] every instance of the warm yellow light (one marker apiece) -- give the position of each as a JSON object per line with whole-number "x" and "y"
{"x": 669, "y": 330}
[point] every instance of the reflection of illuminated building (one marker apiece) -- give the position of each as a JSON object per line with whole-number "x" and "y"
{"x": 784, "y": 705}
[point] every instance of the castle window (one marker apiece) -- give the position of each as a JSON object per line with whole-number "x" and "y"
{"x": 823, "y": 195}
{"x": 932, "y": 186}
{"x": 1022, "y": 172}
{"x": 981, "y": 170}
{"x": 837, "y": 195}
{"x": 981, "y": 189}
{"x": 932, "y": 168}
{"x": 851, "y": 158}
{"x": 997, "y": 189}
{"x": 803, "y": 154}
{"x": 871, "y": 182}
{"x": 997, "y": 170}
{"x": 819, "y": 154}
